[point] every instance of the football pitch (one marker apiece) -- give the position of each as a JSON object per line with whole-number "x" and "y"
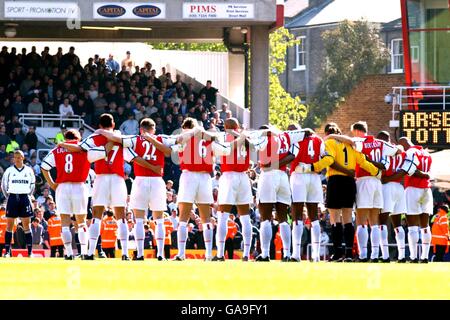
{"x": 22, "y": 278}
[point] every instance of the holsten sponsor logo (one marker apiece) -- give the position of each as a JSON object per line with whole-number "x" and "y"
{"x": 147, "y": 11}
{"x": 111, "y": 11}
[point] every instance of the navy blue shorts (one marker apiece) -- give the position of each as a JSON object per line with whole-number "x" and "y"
{"x": 19, "y": 206}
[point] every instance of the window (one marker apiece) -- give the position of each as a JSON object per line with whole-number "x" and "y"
{"x": 415, "y": 54}
{"x": 300, "y": 54}
{"x": 397, "y": 56}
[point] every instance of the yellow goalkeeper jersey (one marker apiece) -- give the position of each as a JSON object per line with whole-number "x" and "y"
{"x": 346, "y": 156}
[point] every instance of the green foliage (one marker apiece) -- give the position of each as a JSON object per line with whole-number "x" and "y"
{"x": 215, "y": 47}
{"x": 353, "y": 50}
{"x": 283, "y": 108}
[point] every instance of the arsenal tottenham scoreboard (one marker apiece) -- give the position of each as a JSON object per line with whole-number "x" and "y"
{"x": 427, "y": 128}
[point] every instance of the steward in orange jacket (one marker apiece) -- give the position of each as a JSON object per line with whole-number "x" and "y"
{"x": 440, "y": 234}
{"x": 108, "y": 232}
{"x": 54, "y": 230}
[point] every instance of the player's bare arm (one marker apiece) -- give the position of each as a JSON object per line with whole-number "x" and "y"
{"x": 158, "y": 145}
{"x": 420, "y": 174}
{"x": 368, "y": 166}
{"x": 114, "y": 136}
{"x": 143, "y": 163}
{"x": 285, "y": 161}
{"x": 70, "y": 147}
{"x": 338, "y": 167}
{"x": 376, "y": 164}
{"x": 49, "y": 179}
{"x": 341, "y": 138}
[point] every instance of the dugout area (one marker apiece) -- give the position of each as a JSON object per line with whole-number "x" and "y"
{"x": 113, "y": 279}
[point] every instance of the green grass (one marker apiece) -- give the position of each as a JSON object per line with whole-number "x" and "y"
{"x": 23, "y": 278}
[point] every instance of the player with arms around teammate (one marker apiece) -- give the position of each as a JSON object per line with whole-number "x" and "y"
{"x": 394, "y": 202}
{"x": 109, "y": 186}
{"x": 72, "y": 170}
{"x": 196, "y": 162}
{"x": 149, "y": 189}
{"x": 341, "y": 189}
{"x": 234, "y": 189}
{"x": 18, "y": 184}
{"x": 273, "y": 186}
{"x": 419, "y": 199}
{"x": 306, "y": 189}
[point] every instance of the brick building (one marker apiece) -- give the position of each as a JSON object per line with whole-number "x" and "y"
{"x": 305, "y": 61}
{"x": 366, "y": 102}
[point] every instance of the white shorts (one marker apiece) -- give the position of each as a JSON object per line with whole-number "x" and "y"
{"x": 148, "y": 191}
{"x": 109, "y": 190}
{"x": 306, "y": 187}
{"x": 195, "y": 187}
{"x": 235, "y": 188}
{"x": 394, "y": 198}
{"x": 369, "y": 193}
{"x": 273, "y": 187}
{"x": 72, "y": 198}
{"x": 418, "y": 201}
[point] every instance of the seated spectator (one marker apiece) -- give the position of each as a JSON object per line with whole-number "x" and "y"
{"x": 35, "y": 106}
{"x": 18, "y": 106}
{"x": 31, "y": 138}
{"x": 169, "y": 126}
{"x": 130, "y": 126}
{"x": 65, "y": 109}
{"x": 7, "y": 161}
{"x": 13, "y": 123}
{"x": 26, "y": 152}
{"x": 3, "y": 153}
{"x": 169, "y": 187}
{"x": 4, "y": 139}
{"x": 18, "y": 136}
{"x": 100, "y": 105}
{"x": 45, "y": 193}
{"x": 51, "y": 210}
{"x": 205, "y": 120}
{"x": 225, "y": 113}
{"x": 33, "y": 164}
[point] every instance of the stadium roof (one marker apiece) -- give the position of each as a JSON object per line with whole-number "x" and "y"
{"x": 333, "y": 11}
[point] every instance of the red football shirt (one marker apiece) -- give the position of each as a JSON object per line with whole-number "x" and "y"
{"x": 308, "y": 151}
{"x": 70, "y": 166}
{"x": 238, "y": 160}
{"x": 395, "y": 163}
{"x": 197, "y": 155}
{"x": 374, "y": 150}
{"x": 113, "y": 163}
{"x": 148, "y": 152}
{"x": 277, "y": 147}
{"x": 421, "y": 159}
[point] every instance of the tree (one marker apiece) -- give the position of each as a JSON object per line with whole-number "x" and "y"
{"x": 283, "y": 108}
{"x": 353, "y": 50}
